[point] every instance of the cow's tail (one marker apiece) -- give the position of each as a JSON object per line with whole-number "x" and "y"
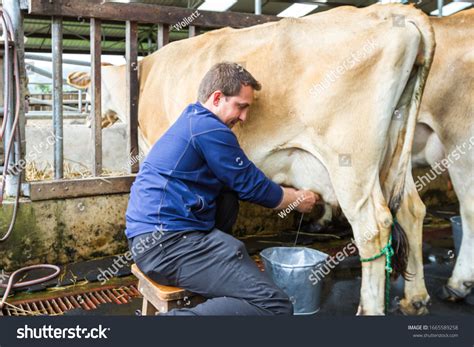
{"x": 423, "y": 65}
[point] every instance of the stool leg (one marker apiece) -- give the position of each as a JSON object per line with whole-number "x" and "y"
{"x": 147, "y": 308}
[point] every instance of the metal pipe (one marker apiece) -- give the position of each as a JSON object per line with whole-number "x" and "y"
{"x": 163, "y": 35}
{"x": 10, "y": 178}
{"x": 258, "y": 7}
{"x": 57, "y": 51}
{"x": 16, "y": 16}
{"x": 41, "y": 71}
{"x": 50, "y": 103}
{"x": 49, "y": 115}
{"x": 33, "y": 56}
{"x": 12, "y": 7}
{"x": 79, "y": 101}
{"x": 192, "y": 31}
{"x": 440, "y": 8}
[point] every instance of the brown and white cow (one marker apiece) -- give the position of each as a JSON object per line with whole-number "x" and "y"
{"x": 343, "y": 143}
{"x": 445, "y": 133}
{"x": 113, "y": 91}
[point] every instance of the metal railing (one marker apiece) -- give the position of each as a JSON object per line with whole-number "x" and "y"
{"x": 132, "y": 14}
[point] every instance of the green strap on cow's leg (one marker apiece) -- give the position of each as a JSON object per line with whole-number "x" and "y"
{"x": 388, "y": 252}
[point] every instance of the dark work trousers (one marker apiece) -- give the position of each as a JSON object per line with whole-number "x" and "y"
{"x": 213, "y": 264}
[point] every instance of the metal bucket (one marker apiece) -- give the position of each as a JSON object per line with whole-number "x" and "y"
{"x": 290, "y": 269}
{"x": 456, "y": 226}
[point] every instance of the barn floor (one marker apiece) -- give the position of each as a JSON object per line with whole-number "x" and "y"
{"x": 340, "y": 295}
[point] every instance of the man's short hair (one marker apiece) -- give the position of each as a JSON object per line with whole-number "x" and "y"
{"x": 227, "y": 77}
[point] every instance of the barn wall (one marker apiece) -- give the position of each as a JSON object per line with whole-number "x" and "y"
{"x": 62, "y": 231}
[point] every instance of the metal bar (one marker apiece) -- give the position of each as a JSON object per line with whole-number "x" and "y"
{"x": 132, "y": 91}
{"x": 12, "y": 7}
{"x": 79, "y": 101}
{"x": 104, "y": 296}
{"x": 35, "y": 101}
{"x": 32, "y": 56}
{"x": 40, "y": 71}
{"x": 42, "y": 35}
{"x": 57, "y": 51}
{"x": 23, "y": 4}
{"x": 149, "y": 43}
{"x": 2, "y": 82}
{"x": 163, "y": 35}
{"x": 75, "y": 188}
{"x": 96, "y": 111}
{"x": 116, "y": 50}
{"x": 11, "y": 179}
{"x": 193, "y": 31}
{"x": 17, "y": 21}
{"x": 144, "y": 13}
{"x": 258, "y": 7}
{"x": 440, "y": 8}
{"x": 49, "y": 115}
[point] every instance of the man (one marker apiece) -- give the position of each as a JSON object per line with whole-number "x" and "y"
{"x": 187, "y": 189}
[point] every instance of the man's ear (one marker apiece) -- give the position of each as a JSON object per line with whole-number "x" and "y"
{"x": 80, "y": 80}
{"x": 216, "y": 97}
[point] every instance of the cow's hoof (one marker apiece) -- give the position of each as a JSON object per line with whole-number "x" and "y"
{"x": 417, "y": 306}
{"x": 362, "y": 312}
{"x": 446, "y": 293}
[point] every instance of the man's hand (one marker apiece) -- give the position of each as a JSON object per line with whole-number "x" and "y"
{"x": 308, "y": 200}
{"x": 303, "y": 200}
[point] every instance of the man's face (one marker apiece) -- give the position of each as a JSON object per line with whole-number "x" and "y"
{"x": 232, "y": 109}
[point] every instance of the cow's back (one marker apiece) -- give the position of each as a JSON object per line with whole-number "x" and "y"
{"x": 288, "y": 57}
{"x": 448, "y": 102}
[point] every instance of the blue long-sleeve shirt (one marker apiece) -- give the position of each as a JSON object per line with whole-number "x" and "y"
{"x": 180, "y": 179}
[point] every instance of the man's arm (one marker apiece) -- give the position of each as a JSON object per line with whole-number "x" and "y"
{"x": 228, "y": 162}
{"x": 304, "y": 199}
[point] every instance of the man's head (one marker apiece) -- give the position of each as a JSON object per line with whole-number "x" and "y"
{"x": 227, "y": 91}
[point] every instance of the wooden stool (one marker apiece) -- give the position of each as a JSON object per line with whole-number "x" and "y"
{"x": 159, "y": 298}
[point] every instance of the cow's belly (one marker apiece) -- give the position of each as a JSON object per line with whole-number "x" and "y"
{"x": 299, "y": 169}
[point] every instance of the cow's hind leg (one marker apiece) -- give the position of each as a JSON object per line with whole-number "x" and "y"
{"x": 410, "y": 216}
{"x": 462, "y": 279}
{"x": 371, "y": 232}
{"x": 366, "y": 210}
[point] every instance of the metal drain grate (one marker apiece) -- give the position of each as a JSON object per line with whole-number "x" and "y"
{"x": 86, "y": 300}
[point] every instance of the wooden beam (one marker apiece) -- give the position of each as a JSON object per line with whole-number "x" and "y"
{"x": 132, "y": 87}
{"x": 96, "y": 112}
{"x": 75, "y": 188}
{"x": 144, "y": 13}
{"x": 70, "y": 37}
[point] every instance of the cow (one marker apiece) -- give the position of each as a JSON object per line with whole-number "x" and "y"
{"x": 445, "y": 132}
{"x": 112, "y": 105}
{"x": 346, "y": 143}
